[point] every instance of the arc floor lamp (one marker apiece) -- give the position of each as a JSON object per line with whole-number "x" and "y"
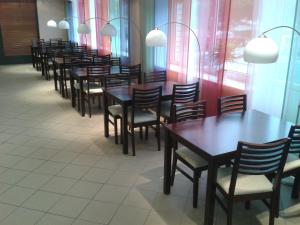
{"x": 262, "y": 50}
{"x": 157, "y": 38}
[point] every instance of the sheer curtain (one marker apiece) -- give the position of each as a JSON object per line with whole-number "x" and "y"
{"x": 83, "y": 16}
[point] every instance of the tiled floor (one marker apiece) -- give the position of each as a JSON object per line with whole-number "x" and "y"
{"x": 57, "y": 168}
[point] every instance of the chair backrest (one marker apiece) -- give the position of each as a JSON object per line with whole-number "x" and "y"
{"x": 103, "y": 59}
{"x": 231, "y": 104}
{"x": 80, "y": 62}
{"x": 115, "y": 81}
{"x": 189, "y": 111}
{"x": 260, "y": 159}
{"x": 98, "y": 71}
{"x": 115, "y": 61}
{"x": 294, "y": 135}
{"x": 185, "y": 93}
{"x": 145, "y": 99}
{"x": 155, "y": 76}
{"x": 133, "y": 72}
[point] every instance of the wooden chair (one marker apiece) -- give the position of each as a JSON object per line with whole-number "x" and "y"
{"x": 102, "y": 59}
{"x": 94, "y": 85}
{"x": 292, "y": 166}
{"x": 144, "y": 102}
{"x": 115, "y": 110}
{"x": 247, "y": 180}
{"x": 196, "y": 163}
{"x": 182, "y": 94}
{"x": 155, "y": 76}
{"x": 133, "y": 72}
{"x": 232, "y": 104}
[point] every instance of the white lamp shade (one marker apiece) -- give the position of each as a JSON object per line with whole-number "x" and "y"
{"x": 64, "y": 25}
{"x": 51, "y": 23}
{"x": 261, "y": 50}
{"x": 83, "y": 29}
{"x": 156, "y": 38}
{"x": 108, "y": 30}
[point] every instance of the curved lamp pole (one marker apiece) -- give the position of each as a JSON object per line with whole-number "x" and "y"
{"x": 157, "y": 38}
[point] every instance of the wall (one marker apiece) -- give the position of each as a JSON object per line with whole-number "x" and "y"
{"x": 51, "y": 9}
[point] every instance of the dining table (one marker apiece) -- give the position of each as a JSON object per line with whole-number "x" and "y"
{"x": 123, "y": 96}
{"x": 215, "y": 139}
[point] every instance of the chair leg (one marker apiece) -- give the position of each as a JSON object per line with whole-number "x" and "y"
{"x": 146, "y": 132}
{"x": 158, "y": 136}
{"x": 89, "y": 105}
{"x": 195, "y": 189}
{"x": 295, "y": 190}
{"x": 247, "y": 205}
{"x": 99, "y": 101}
{"x": 273, "y": 206}
{"x": 173, "y": 171}
{"x": 141, "y": 133}
{"x": 133, "y": 141}
{"x": 121, "y": 128}
{"x": 116, "y": 129}
{"x": 229, "y": 212}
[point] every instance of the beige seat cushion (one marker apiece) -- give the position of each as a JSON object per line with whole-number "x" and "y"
{"x": 141, "y": 116}
{"x": 192, "y": 158}
{"x": 93, "y": 90}
{"x": 245, "y": 184}
{"x": 292, "y": 162}
{"x": 115, "y": 110}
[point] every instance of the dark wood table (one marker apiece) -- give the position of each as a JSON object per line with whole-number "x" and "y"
{"x": 123, "y": 96}
{"x": 215, "y": 139}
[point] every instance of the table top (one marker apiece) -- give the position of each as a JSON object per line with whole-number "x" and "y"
{"x": 124, "y": 94}
{"x": 216, "y": 136}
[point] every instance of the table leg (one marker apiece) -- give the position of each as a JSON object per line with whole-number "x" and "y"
{"x": 55, "y": 75}
{"x": 106, "y": 123}
{"x": 73, "y": 101}
{"x": 167, "y": 163}
{"x": 210, "y": 193}
{"x": 124, "y": 127}
{"x": 82, "y": 98}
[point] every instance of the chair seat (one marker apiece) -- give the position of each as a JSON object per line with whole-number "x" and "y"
{"x": 292, "y": 163}
{"x": 142, "y": 116}
{"x": 93, "y": 90}
{"x": 192, "y": 158}
{"x": 115, "y": 110}
{"x": 245, "y": 184}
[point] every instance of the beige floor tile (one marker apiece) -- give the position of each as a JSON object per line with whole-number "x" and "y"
{"x": 84, "y": 189}
{"x": 73, "y": 171}
{"x": 16, "y": 195}
{"x": 34, "y": 181}
{"x": 99, "y": 212}
{"x": 50, "y": 167}
{"x": 112, "y": 193}
{"x": 42, "y": 200}
{"x": 69, "y": 206}
{"x": 123, "y": 178}
{"x": 9, "y": 160}
{"x": 83, "y": 222}
{"x": 58, "y": 185}
{"x": 5, "y": 210}
{"x": 44, "y": 153}
{"x": 29, "y": 164}
{"x": 12, "y": 176}
{"x": 23, "y": 217}
{"x": 98, "y": 175}
{"x": 130, "y": 215}
{"x": 86, "y": 159}
{"x": 140, "y": 198}
{"x": 64, "y": 156}
{"x": 49, "y": 219}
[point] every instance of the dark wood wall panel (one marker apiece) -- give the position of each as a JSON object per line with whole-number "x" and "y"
{"x": 18, "y": 26}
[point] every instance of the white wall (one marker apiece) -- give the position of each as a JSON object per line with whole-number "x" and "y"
{"x": 51, "y": 9}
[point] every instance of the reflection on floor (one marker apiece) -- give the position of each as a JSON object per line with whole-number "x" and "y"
{"x": 57, "y": 168}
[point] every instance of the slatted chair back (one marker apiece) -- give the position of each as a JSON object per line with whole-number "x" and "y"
{"x": 232, "y": 104}
{"x": 260, "y": 159}
{"x": 115, "y": 61}
{"x": 294, "y": 135}
{"x": 103, "y": 59}
{"x": 98, "y": 71}
{"x": 133, "y": 72}
{"x": 189, "y": 111}
{"x": 145, "y": 99}
{"x": 185, "y": 93}
{"x": 115, "y": 81}
{"x": 80, "y": 62}
{"x": 155, "y": 76}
